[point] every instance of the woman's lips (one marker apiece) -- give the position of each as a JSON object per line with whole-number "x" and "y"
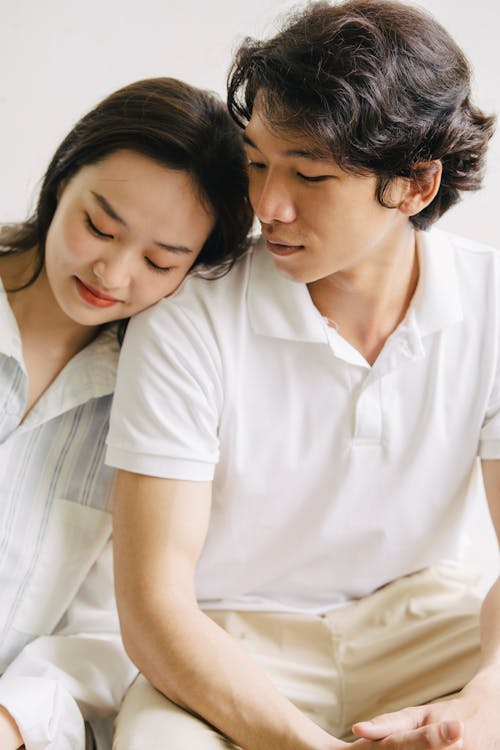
{"x": 94, "y": 296}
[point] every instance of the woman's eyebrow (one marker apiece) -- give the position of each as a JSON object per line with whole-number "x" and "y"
{"x": 110, "y": 211}
{"x": 180, "y": 249}
{"x": 108, "y": 208}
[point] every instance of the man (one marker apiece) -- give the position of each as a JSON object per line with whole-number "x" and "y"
{"x": 299, "y": 439}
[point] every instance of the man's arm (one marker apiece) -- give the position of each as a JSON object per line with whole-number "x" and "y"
{"x": 490, "y": 613}
{"x": 159, "y": 530}
{"x": 477, "y": 704}
{"x": 10, "y": 737}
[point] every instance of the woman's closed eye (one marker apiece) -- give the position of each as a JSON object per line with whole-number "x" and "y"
{"x": 95, "y": 230}
{"x": 155, "y": 267}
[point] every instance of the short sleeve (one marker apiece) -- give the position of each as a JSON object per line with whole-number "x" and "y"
{"x": 489, "y": 441}
{"x": 165, "y": 414}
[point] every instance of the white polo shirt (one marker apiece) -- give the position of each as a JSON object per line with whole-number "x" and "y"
{"x": 330, "y": 477}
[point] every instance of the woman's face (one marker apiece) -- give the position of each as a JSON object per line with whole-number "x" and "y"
{"x": 125, "y": 233}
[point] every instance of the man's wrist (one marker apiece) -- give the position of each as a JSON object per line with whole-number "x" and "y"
{"x": 313, "y": 737}
{"x": 481, "y": 689}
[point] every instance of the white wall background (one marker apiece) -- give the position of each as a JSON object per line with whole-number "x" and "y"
{"x": 59, "y": 57}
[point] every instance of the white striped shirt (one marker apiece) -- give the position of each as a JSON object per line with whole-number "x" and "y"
{"x": 61, "y": 657}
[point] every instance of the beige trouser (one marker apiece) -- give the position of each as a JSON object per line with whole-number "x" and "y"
{"x": 410, "y": 642}
{"x": 89, "y": 737}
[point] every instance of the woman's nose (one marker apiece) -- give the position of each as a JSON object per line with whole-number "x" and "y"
{"x": 112, "y": 272}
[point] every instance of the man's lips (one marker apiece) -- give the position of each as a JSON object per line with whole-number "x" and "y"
{"x": 279, "y": 246}
{"x": 94, "y": 296}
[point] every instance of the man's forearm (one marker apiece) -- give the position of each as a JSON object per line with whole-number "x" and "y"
{"x": 480, "y": 694}
{"x": 489, "y": 667}
{"x": 490, "y": 627}
{"x": 200, "y": 667}
{"x": 160, "y": 527}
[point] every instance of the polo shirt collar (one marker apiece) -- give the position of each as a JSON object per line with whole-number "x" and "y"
{"x": 282, "y": 308}
{"x": 437, "y": 301}
{"x": 279, "y": 307}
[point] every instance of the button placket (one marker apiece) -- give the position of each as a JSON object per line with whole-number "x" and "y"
{"x": 368, "y": 423}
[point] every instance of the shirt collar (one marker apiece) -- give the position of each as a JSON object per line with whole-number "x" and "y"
{"x": 437, "y": 301}
{"x": 282, "y": 308}
{"x": 10, "y": 337}
{"x": 90, "y": 374}
{"x": 279, "y": 307}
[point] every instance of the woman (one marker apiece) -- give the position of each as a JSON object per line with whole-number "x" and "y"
{"x": 146, "y": 187}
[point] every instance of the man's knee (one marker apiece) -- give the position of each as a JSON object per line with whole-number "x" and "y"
{"x": 147, "y": 719}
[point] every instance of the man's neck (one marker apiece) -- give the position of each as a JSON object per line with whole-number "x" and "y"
{"x": 367, "y": 303}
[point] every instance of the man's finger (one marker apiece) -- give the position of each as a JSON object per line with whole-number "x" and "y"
{"x": 446, "y": 735}
{"x": 386, "y": 724}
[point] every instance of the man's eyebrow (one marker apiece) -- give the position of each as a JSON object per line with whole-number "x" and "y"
{"x": 301, "y": 153}
{"x": 110, "y": 211}
{"x": 314, "y": 154}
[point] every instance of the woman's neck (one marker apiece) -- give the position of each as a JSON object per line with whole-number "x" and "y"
{"x": 36, "y": 310}
{"x": 50, "y": 339}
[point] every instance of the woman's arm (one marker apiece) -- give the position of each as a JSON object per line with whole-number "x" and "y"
{"x": 79, "y": 672}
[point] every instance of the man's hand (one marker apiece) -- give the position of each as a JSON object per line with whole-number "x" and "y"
{"x": 434, "y": 736}
{"x": 470, "y": 720}
{"x": 10, "y": 738}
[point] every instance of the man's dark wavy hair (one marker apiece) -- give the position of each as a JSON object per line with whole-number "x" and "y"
{"x": 378, "y": 85}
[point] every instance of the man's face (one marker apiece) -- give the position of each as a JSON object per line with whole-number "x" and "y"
{"x": 318, "y": 220}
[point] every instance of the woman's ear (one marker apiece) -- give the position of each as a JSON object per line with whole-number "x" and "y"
{"x": 422, "y": 187}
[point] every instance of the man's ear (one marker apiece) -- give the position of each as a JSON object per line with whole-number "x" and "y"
{"x": 422, "y": 187}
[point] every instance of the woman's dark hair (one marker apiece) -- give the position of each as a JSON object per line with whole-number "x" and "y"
{"x": 176, "y": 125}
{"x": 379, "y": 86}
